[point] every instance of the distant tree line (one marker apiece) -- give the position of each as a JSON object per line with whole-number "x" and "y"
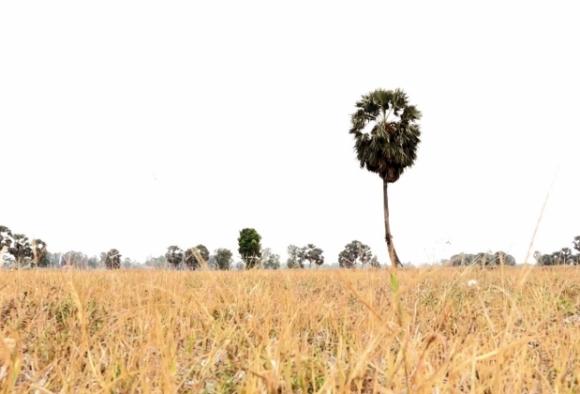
{"x": 196, "y": 257}
{"x": 298, "y": 256}
{"x": 482, "y": 259}
{"x": 17, "y": 251}
{"x": 564, "y": 256}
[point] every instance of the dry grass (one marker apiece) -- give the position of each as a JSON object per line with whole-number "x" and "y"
{"x": 299, "y": 331}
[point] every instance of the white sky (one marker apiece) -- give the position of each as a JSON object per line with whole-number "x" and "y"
{"x": 140, "y": 124}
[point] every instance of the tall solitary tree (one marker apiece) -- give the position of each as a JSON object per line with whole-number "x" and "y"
{"x": 386, "y": 132}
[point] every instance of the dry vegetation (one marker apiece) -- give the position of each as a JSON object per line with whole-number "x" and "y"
{"x": 291, "y": 331}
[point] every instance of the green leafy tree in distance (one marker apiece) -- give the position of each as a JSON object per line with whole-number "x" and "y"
{"x": 249, "y": 247}
{"x": 196, "y": 257}
{"x": 354, "y": 254}
{"x": 294, "y": 257}
{"x": 192, "y": 258}
{"x": 312, "y": 254}
{"x": 223, "y": 259}
{"x": 203, "y": 252}
{"x": 113, "y": 259}
{"x": 21, "y": 249}
{"x": 270, "y": 260}
{"x": 174, "y": 255}
{"x": 39, "y": 253}
{"x": 5, "y": 237}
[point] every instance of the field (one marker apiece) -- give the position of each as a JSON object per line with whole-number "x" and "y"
{"x": 433, "y": 330}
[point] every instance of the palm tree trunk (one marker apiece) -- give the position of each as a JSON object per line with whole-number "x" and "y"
{"x": 388, "y": 237}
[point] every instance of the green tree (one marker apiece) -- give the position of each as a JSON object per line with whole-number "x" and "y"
{"x": 249, "y": 247}
{"x": 156, "y": 262}
{"x": 294, "y": 257}
{"x": 484, "y": 259}
{"x": 174, "y": 255}
{"x": 312, "y": 254}
{"x": 75, "y": 259}
{"x": 203, "y": 251}
{"x": 196, "y": 257}
{"x": 542, "y": 259}
{"x": 577, "y": 243}
{"x": 21, "y": 249}
{"x": 386, "y": 131}
{"x": 113, "y": 259}
{"x": 93, "y": 262}
{"x": 566, "y": 255}
{"x": 5, "y": 237}
{"x": 53, "y": 259}
{"x": 39, "y": 253}
{"x": 270, "y": 261}
{"x": 501, "y": 257}
{"x": 223, "y": 259}
{"x": 127, "y": 263}
{"x": 354, "y": 254}
{"x": 192, "y": 258}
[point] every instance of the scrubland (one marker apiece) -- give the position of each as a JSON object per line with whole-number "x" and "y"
{"x": 431, "y": 330}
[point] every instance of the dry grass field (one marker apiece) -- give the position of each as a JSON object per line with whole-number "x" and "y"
{"x": 424, "y": 331}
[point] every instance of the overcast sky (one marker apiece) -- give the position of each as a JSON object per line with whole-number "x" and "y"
{"x": 140, "y": 124}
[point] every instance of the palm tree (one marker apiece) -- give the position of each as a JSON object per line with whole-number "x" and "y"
{"x": 386, "y": 136}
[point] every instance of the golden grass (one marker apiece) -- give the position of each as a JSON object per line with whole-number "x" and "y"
{"x": 424, "y": 331}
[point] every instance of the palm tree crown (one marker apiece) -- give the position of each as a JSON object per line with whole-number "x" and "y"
{"x": 391, "y": 144}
